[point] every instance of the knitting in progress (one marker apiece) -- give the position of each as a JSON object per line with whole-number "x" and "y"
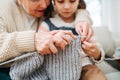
{"x": 65, "y": 65}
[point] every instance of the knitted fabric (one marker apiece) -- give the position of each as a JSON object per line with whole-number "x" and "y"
{"x": 65, "y": 65}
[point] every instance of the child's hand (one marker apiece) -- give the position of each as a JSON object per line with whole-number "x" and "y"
{"x": 84, "y": 29}
{"x": 91, "y": 49}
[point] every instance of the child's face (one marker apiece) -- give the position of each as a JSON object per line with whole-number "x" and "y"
{"x": 66, "y": 8}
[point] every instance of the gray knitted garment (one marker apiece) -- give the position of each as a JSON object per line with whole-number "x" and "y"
{"x": 65, "y": 65}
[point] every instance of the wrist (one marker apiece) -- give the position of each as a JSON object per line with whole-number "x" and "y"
{"x": 97, "y": 56}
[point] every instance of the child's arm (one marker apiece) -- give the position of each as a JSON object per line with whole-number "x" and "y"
{"x": 93, "y": 49}
{"x": 83, "y": 24}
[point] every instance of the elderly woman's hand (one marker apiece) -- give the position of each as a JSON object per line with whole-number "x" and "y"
{"x": 63, "y": 38}
{"x": 44, "y": 43}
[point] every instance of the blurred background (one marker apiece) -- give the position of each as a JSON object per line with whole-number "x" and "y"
{"x": 106, "y": 13}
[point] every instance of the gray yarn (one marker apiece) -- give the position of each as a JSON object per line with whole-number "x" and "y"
{"x": 65, "y": 65}
{"x": 24, "y": 68}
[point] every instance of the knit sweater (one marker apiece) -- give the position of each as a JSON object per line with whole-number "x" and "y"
{"x": 16, "y": 31}
{"x": 65, "y": 65}
{"x": 16, "y": 35}
{"x": 58, "y": 22}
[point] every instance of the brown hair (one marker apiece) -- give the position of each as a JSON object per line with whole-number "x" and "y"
{"x": 49, "y": 10}
{"x": 82, "y": 4}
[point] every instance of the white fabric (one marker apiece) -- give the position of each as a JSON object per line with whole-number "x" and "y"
{"x": 111, "y": 17}
{"x": 57, "y": 21}
{"x": 106, "y": 40}
{"x": 16, "y": 37}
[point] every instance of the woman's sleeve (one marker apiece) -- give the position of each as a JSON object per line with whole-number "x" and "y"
{"x": 83, "y": 15}
{"x": 15, "y": 43}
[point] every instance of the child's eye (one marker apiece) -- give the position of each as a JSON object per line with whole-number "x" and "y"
{"x": 60, "y": 1}
{"x": 72, "y": 1}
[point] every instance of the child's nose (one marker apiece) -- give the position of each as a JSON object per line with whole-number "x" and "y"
{"x": 67, "y": 6}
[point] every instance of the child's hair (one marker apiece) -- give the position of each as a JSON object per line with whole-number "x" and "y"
{"x": 49, "y": 11}
{"x": 82, "y": 4}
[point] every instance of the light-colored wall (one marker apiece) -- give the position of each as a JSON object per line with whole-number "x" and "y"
{"x": 111, "y": 17}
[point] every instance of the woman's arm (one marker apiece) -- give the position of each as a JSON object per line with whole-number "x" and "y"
{"x": 61, "y": 39}
{"x": 14, "y": 43}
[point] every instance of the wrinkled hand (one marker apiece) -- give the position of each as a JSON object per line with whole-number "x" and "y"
{"x": 63, "y": 38}
{"x": 44, "y": 42}
{"x": 84, "y": 29}
{"x": 91, "y": 49}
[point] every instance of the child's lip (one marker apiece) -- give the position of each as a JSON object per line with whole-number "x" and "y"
{"x": 66, "y": 12}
